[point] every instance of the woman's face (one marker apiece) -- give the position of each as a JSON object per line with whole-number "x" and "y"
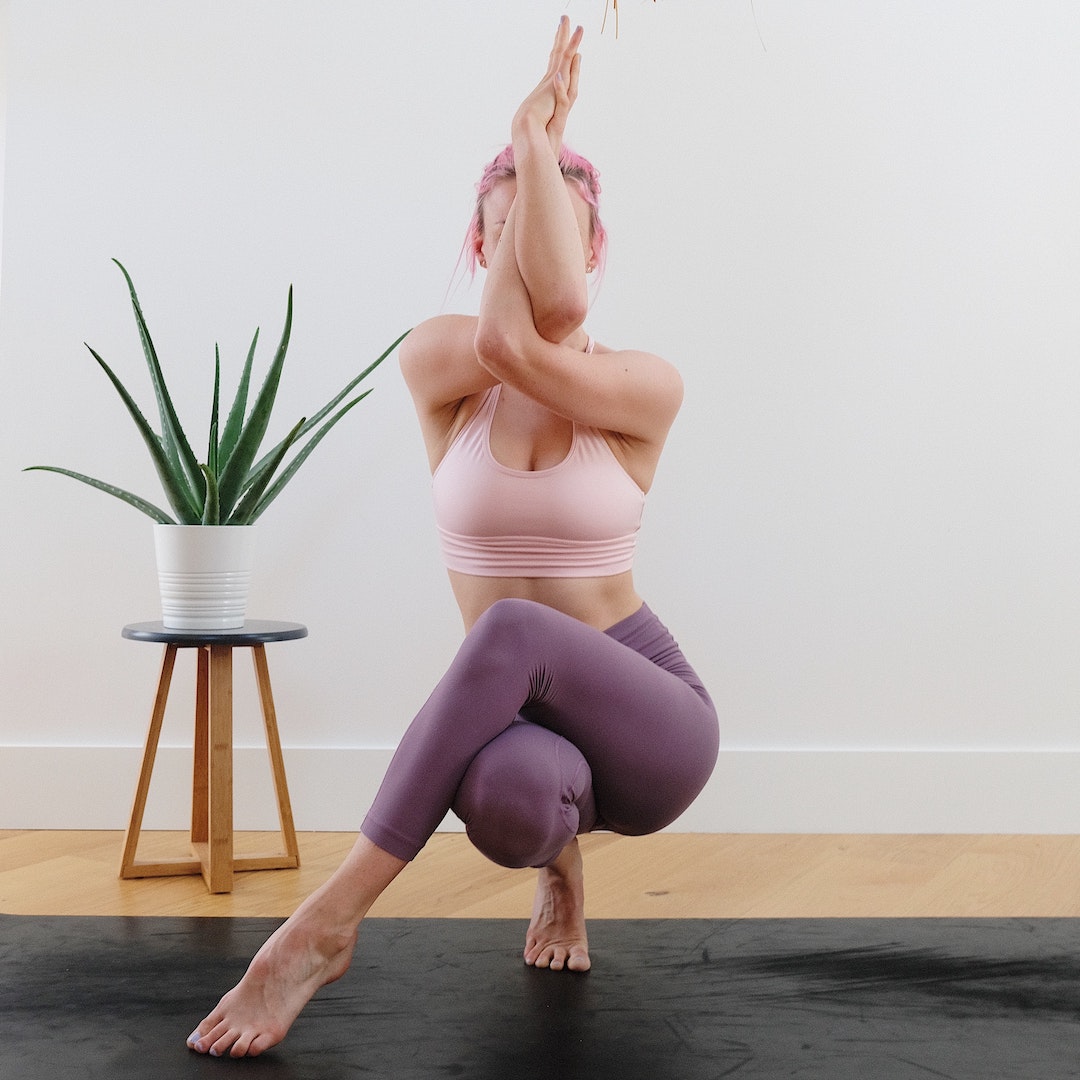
{"x": 497, "y": 205}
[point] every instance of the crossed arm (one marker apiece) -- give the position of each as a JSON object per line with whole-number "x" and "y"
{"x": 632, "y": 393}
{"x": 547, "y": 234}
{"x": 535, "y": 301}
{"x": 536, "y": 295}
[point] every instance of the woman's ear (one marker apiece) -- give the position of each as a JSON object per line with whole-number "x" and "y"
{"x": 593, "y": 260}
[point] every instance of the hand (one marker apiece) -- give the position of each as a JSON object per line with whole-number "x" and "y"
{"x": 549, "y": 105}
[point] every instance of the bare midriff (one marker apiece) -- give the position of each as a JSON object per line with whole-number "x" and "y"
{"x": 600, "y": 601}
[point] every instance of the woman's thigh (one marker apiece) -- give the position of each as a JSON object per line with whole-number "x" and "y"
{"x": 649, "y": 737}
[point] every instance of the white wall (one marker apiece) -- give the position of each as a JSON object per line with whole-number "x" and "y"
{"x": 3, "y": 113}
{"x": 857, "y": 234}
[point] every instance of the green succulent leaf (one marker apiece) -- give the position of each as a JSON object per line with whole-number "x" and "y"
{"x": 235, "y": 421}
{"x": 228, "y": 487}
{"x": 147, "y": 508}
{"x": 184, "y": 505}
{"x": 211, "y": 510}
{"x": 246, "y": 511}
{"x": 234, "y": 473}
{"x": 212, "y": 447}
{"x": 175, "y": 442}
{"x": 303, "y": 455}
{"x": 336, "y": 399}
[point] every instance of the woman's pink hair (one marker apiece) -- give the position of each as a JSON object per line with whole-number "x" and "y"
{"x": 579, "y": 170}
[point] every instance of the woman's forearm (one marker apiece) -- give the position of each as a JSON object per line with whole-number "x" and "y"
{"x": 505, "y": 306}
{"x": 550, "y": 250}
{"x": 550, "y": 247}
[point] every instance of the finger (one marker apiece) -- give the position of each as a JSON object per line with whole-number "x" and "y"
{"x": 575, "y": 68}
{"x": 570, "y": 50}
{"x": 558, "y": 49}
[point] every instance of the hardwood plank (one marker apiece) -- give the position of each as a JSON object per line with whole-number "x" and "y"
{"x": 664, "y": 876}
{"x": 1011, "y": 876}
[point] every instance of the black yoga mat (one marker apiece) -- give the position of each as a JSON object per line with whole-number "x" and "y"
{"x": 865, "y": 999}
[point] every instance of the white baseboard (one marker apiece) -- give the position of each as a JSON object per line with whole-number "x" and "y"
{"x": 769, "y": 791}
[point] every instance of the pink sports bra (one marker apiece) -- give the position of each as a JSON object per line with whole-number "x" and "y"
{"x": 579, "y": 518}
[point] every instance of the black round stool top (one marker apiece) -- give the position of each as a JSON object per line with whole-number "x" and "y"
{"x": 253, "y": 632}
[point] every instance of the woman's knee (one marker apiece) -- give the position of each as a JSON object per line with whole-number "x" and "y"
{"x": 525, "y": 797}
{"x": 509, "y": 639}
{"x": 516, "y": 842}
{"x": 507, "y": 620}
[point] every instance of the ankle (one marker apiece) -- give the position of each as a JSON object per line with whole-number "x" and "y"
{"x": 326, "y": 931}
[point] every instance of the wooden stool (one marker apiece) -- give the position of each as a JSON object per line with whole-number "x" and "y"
{"x": 212, "y": 787}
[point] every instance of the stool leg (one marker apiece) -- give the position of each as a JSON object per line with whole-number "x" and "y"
{"x": 273, "y": 747}
{"x": 200, "y": 781}
{"x": 153, "y": 735}
{"x": 218, "y": 869}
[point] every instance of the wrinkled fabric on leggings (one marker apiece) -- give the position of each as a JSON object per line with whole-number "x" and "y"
{"x": 544, "y": 728}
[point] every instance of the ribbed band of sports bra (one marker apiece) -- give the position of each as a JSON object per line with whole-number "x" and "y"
{"x": 579, "y": 518}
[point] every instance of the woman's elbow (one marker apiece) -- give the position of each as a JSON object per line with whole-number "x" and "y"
{"x": 494, "y": 350}
{"x": 556, "y": 322}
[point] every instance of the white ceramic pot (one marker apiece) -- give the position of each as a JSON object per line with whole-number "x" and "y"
{"x": 204, "y": 572}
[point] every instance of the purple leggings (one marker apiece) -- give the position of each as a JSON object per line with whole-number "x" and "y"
{"x": 543, "y": 728}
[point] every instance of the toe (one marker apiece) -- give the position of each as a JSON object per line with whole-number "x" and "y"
{"x": 579, "y": 960}
{"x": 221, "y": 1040}
{"x": 261, "y": 1043}
{"x": 202, "y": 1038}
{"x": 240, "y": 1047}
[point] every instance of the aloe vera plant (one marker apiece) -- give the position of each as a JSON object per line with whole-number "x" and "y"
{"x": 230, "y": 487}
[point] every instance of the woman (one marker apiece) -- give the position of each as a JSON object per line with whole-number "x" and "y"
{"x": 568, "y": 707}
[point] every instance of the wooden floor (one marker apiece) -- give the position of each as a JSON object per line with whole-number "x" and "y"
{"x": 663, "y": 876}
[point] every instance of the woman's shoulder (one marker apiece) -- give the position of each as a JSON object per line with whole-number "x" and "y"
{"x": 435, "y": 341}
{"x": 440, "y": 366}
{"x": 440, "y": 332}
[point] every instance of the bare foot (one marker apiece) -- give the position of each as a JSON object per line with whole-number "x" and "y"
{"x": 311, "y": 949}
{"x": 556, "y": 937}
{"x": 280, "y": 981}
